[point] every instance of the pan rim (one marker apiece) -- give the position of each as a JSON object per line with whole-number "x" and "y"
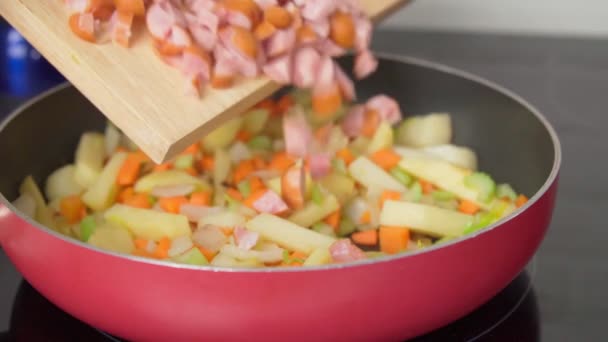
{"x": 549, "y": 182}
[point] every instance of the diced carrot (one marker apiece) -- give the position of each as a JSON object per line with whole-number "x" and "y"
{"x": 242, "y": 170}
{"x": 71, "y": 207}
{"x": 386, "y": 158}
{"x": 125, "y": 194}
{"x": 268, "y": 104}
{"x": 254, "y": 197}
{"x": 243, "y": 135}
{"x": 129, "y": 171}
{"x": 521, "y": 200}
{"x": 342, "y": 29}
{"x": 468, "y": 207}
{"x": 281, "y": 162}
{"x": 306, "y": 33}
{"x": 136, "y": 7}
{"x": 389, "y": 195}
{"x": 259, "y": 163}
{"x": 333, "y": 219}
{"x": 143, "y": 157}
{"x": 427, "y": 187}
{"x": 140, "y": 243}
{"x": 370, "y": 123}
{"x": 255, "y": 184}
{"x": 365, "y": 238}
{"x": 162, "y": 248}
{"x": 264, "y": 30}
{"x": 326, "y": 103}
{"x": 87, "y": 34}
{"x": 366, "y": 217}
{"x": 192, "y": 149}
{"x": 292, "y": 188}
{"x": 285, "y": 103}
{"x": 192, "y": 171}
{"x": 172, "y": 204}
{"x": 221, "y": 81}
{"x": 393, "y": 239}
{"x": 162, "y": 167}
{"x": 201, "y": 198}
{"x": 103, "y": 12}
{"x": 234, "y": 193}
{"x": 209, "y": 255}
{"x": 227, "y": 230}
{"x": 346, "y": 155}
{"x": 207, "y": 163}
{"x": 139, "y": 201}
{"x": 278, "y": 16}
{"x": 244, "y": 41}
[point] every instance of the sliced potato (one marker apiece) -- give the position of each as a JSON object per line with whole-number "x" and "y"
{"x": 222, "y": 136}
{"x": 288, "y": 234}
{"x": 43, "y": 215}
{"x": 62, "y": 183}
{"x": 169, "y": 178}
{"x": 319, "y": 256}
{"x": 112, "y": 139}
{"x": 102, "y": 192}
{"x": 113, "y": 239}
{"x": 148, "y": 224}
{"x": 89, "y": 158}
{"x": 460, "y": 156}
{"x": 274, "y": 184}
{"x": 383, "y": 138}
{"x": 340, "y": 185}
{"x": 223, "y": 219}
{"x": 424, "y": 219}
{"x": 313, "y": 213}
{"x": 372, "y": 176}
{"x": 425, "y": 130}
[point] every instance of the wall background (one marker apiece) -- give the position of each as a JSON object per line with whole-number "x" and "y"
{"x": 547, "y": 17}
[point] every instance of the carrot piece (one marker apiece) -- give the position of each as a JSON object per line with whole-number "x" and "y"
{"x": 393, "y": 239}
{"x": 333, "y": 219}
{"x": 296, "y": 255}
{"x": 365, "y": 238}
{"x": 327, "y": 101}
{"x": 201, "y": 198}
{"x": 172, "y": 204}
{"x": 259, "y": 163}
{"x": 306, "y": 34}
{"x": 278, "y": 16}
{"x": 342, "y": 29}
{"x": 264, "y": 30}
{"x": 162, "y": 167}
{"x": 136, "y": 7}
{"x": 386, "y": 158}
{"x": 371, "y": 121}
{"x": 389, "y": 195}
{"x": 346, "y": 155}
{"x": 292, "y": 187}
{"x": 227, "y": 231}
{"x": 140, "y": 243}
{"x": 243, "y": 135}
{"x": 192, "y": 171}
{"x": 192, "y": 149}
{"x": 221, "y": 81}
{"x": 248, "y": 8}
{"x": 366, "y": 217}
{"x": 207, "y": 163}
{"x": 125, "y": 194}
{"x": 468, "y": 207}
{"x": 234, "y": 193}
{"x": 139, "y": 201}
{"x": 162, "y": 249}
{"x": 71, "y": 207}
{"x": 143, "y": 253}
{"x": 103, "y": 12}
{"x": 129, "y": 170}
{"x": 245, "y": 41}
{"x": 427, "y": 187}
{"x": 242, "y": 170}
{"x": 83, "y": 28}
{"x": 209, "y": 255}
{"x": 521, "y": 200}
{"x": 121, "y": 149}
{"x": 255, "y": 184}
{"x": 281, "y": 162}
{"x": 254, "y": 197}
{"x": 285, "y": 103}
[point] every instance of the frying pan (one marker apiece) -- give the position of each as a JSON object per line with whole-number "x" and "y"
{"x": 386, "y": 299}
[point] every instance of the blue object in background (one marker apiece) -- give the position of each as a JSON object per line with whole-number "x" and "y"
{"x": 23, "y": 72}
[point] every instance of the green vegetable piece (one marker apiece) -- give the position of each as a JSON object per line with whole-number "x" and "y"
{"x": 505, "y": 190}
{"x": 302, "y": 97}
{"x": 339, "y": 165}
{"x": 316, "y": 194}
{"x": 415, "y": 193}
{"x": 481, "y": 221}
{"x": 440, "y": 195}
{"x": 483, "y": 184}
{"x": 323, "y": 228}
{"x": 152, "y": 200}
{"x": 87, "y": 228}
{"x": 402, "y": 176}
{"x": 260, "y": 142}
{"x": 184, "y": 162}
{"x": 256, "y": 119}
{"x": 244, "y": 188}
{"x": 346, "y": 227}
{"x": 192, "y": 257}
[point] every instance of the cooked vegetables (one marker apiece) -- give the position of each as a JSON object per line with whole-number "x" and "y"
{"x": 89, "y": 158}
{"x": 422, "y": 131}
{"x": 278, "y": 187}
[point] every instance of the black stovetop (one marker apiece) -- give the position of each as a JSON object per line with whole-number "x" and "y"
{"x": 562, "y": 296}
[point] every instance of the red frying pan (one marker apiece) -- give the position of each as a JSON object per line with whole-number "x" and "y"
{"x": 386, "y": 299}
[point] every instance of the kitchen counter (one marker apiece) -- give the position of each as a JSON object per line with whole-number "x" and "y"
{"x": 567, "y": 79}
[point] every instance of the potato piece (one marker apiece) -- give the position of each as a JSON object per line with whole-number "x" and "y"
{"x": 222, "y": 219}
{"x": 383, "y": 138}
{"x": 340, "y": 185}
{"x": 112, "y": 239}
{"x": 288, "y": 234}
{"x": 255, "y": 120}
{"x": 102, "y": 192}
{"x": 148, "y": 224}
{"x": 43, "y": 214}
{"x": 89, "y": 158}
{"x": 443, "y": 175}
{"x": 313, "y": 213}
{"x": 274, "y": 184}
{"x": 372, "y": 176}
{"x": 222, "y": 136}
{"x": 112, "y": 139}
{"x": 169, "y": 178}
{"x": 221, "y": 166}
{"x": 424, "y": 219}
{"x": 425, "y": 130}
{"x": 319, "y": 256}
{"x": 62, "y": 183}
{"x": 457, "y": 155}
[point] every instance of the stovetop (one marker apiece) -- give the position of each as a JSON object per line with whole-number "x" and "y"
{"x": 562, "y": 294}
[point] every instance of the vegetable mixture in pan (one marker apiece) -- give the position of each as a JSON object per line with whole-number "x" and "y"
{"x": 286, "y": 184}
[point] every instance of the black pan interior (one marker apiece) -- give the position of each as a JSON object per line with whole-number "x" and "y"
{"x": 513, "y": 145}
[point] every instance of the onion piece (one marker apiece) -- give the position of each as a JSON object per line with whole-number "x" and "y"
{"x": 195, "y": 213}
{"x": 26, "y": 204}
{"x": 210, "y": 237}
{"x": 172, "y": 190}
{"x": 244, "y": 238}
{"x": 239, "y": 151}
{"x": 180, "y": 245}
